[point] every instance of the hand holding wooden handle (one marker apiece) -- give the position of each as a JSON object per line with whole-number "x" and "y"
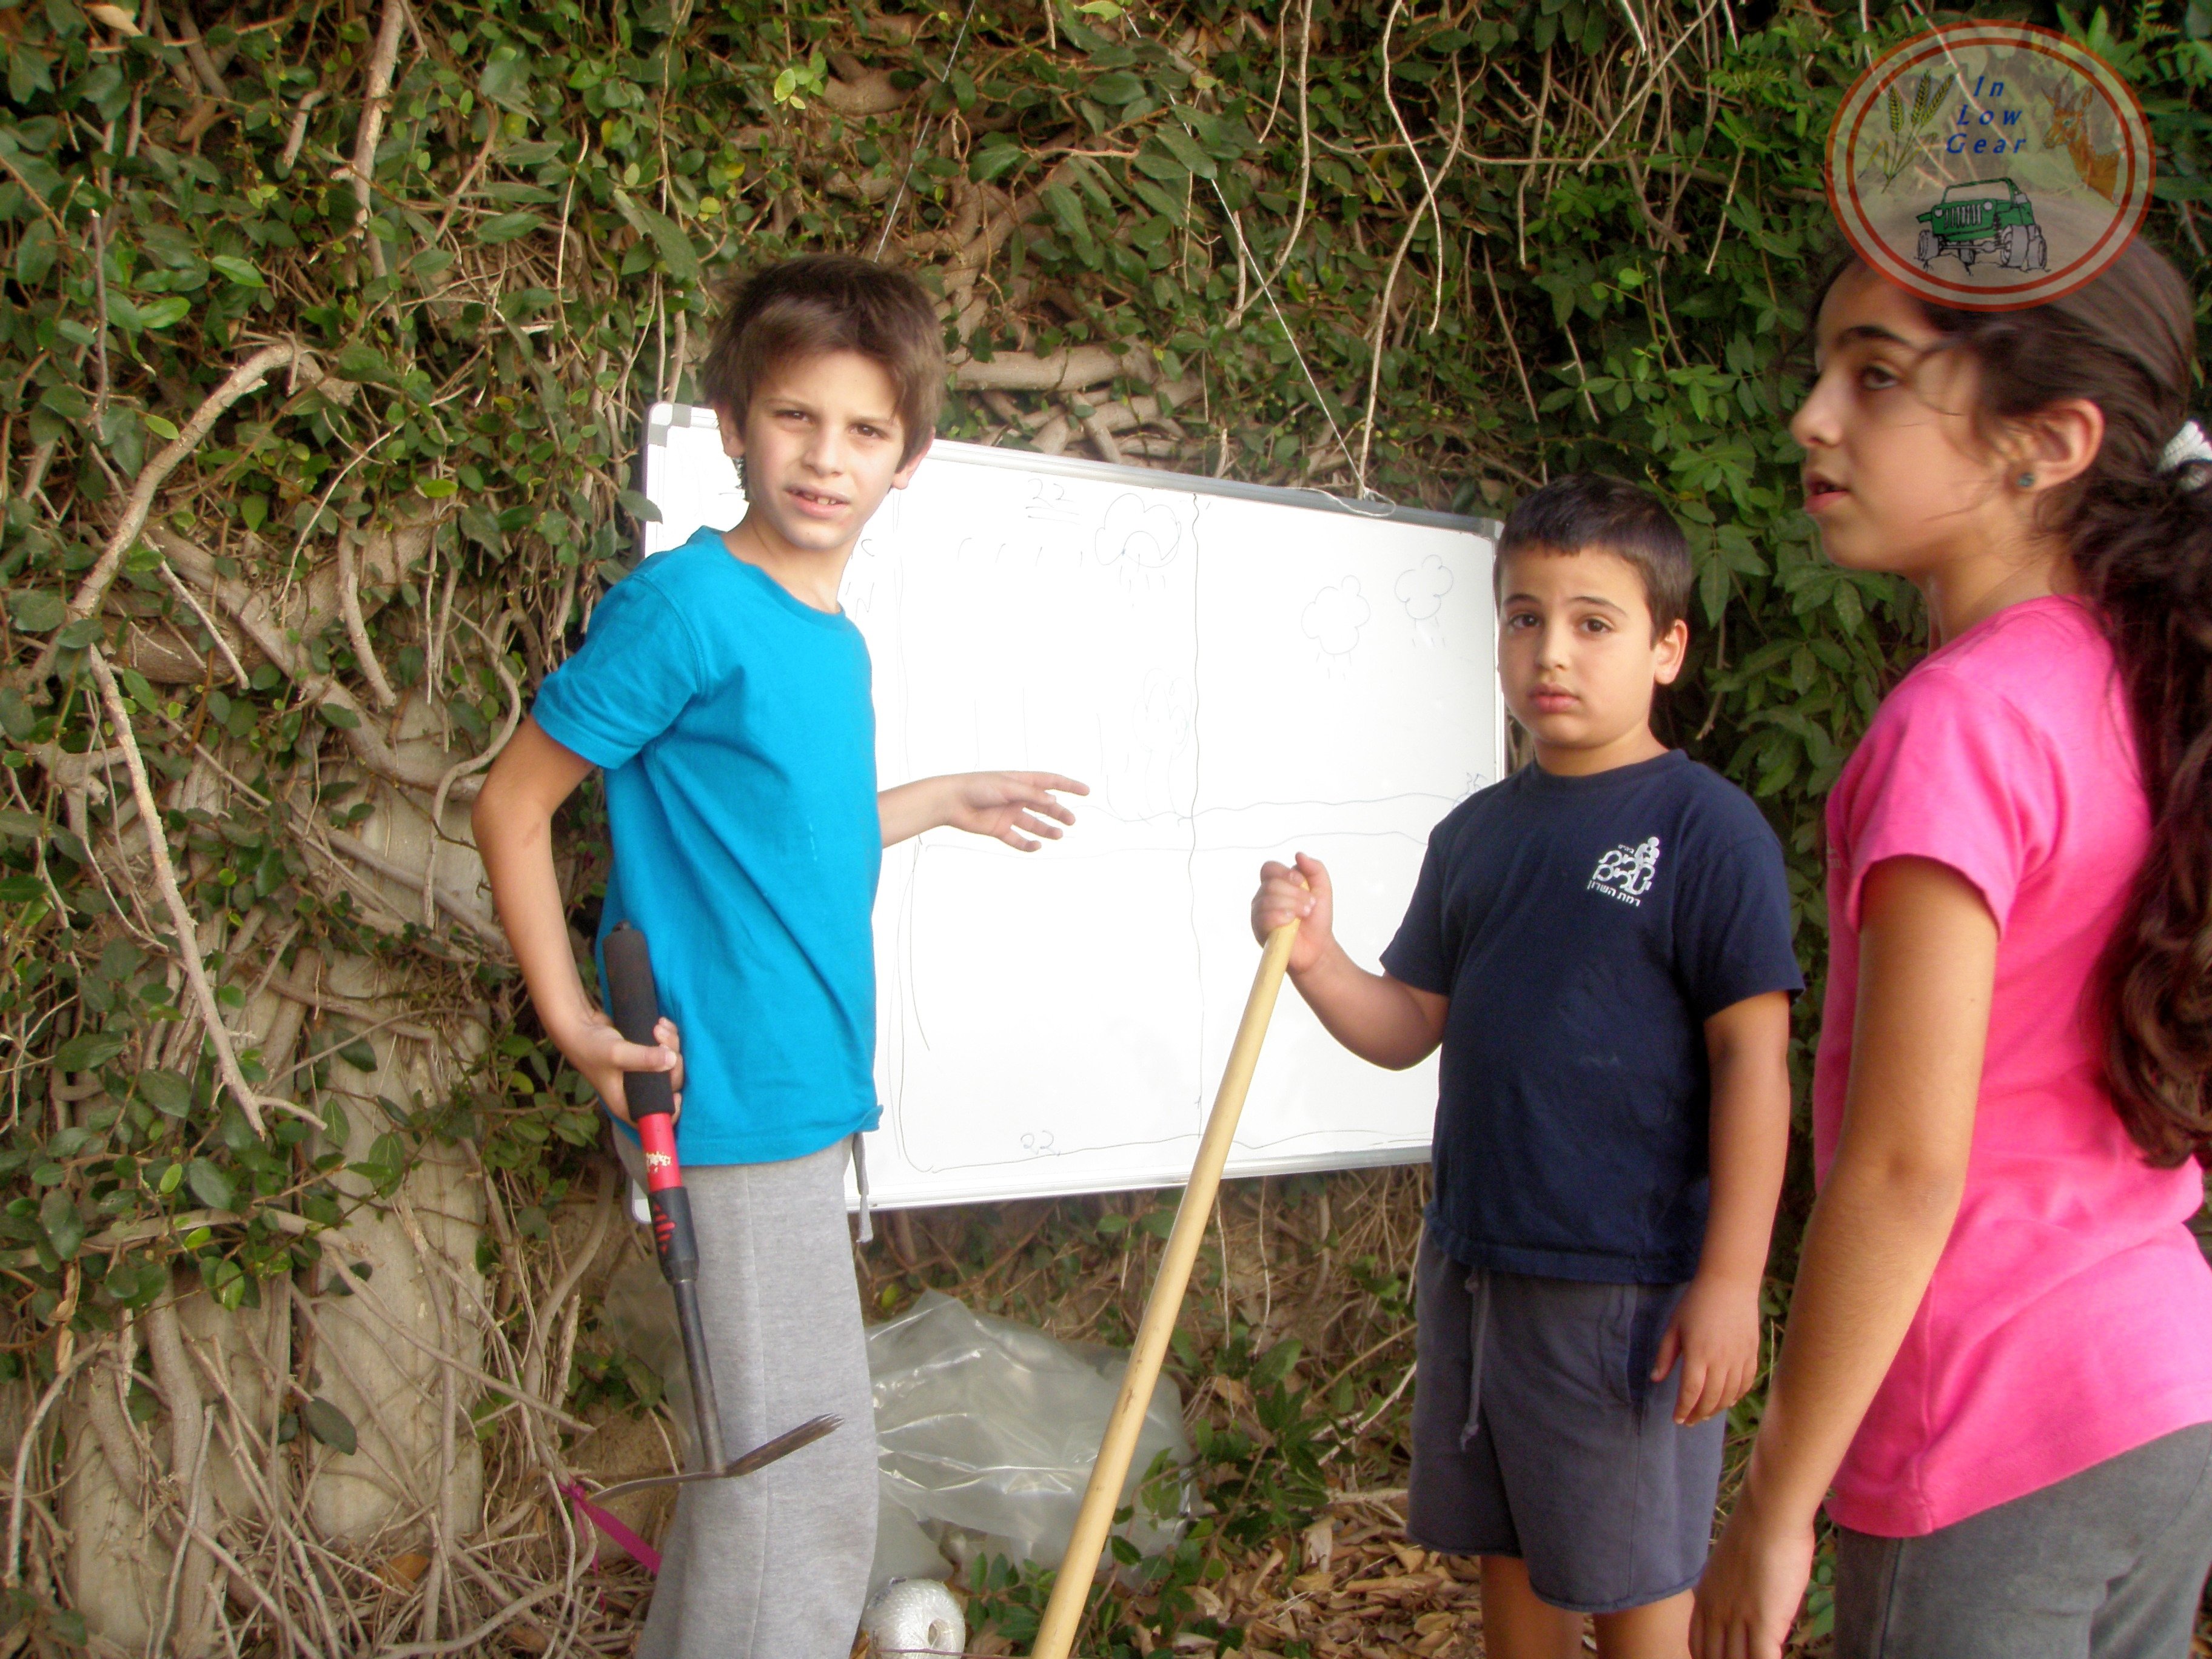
{"x": 1056, "y": 1635}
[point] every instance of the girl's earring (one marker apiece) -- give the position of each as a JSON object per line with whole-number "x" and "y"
{"x": 2025, "y": 481}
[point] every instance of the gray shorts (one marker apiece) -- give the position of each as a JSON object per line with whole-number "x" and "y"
{"x": 2108, "y": 1564}
{"x": 1537, "y": 1433}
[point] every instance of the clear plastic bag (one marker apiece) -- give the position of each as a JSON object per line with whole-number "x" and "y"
{"x": 988, "y": 1431}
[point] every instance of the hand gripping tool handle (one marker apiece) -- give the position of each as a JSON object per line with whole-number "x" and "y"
{"x": 636, "y": 1008}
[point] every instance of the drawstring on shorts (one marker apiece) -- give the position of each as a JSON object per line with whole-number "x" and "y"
{"x": 867, "y": 1230}
{"x": 1478, "y": 1286}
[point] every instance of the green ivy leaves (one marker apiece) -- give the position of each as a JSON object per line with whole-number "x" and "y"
{"x": 330, "y": 1426}
{"x": 34, "y": 610}
{"x": 665, "y": 235}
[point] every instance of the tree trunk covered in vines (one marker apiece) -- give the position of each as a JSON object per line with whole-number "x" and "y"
{"x": 325, "y": 337}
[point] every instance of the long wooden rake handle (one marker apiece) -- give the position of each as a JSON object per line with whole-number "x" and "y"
{"x": 1056, "y": 1635}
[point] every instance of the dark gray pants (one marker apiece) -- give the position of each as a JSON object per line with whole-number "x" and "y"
{"x": 775, "y": 1566}
{"x": 2109, "y": 1564}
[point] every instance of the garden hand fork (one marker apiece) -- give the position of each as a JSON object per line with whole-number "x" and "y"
{"x": 635, "y": 1006}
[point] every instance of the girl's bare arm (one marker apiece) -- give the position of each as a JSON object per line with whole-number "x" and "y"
{"x": 1927, "y": 951}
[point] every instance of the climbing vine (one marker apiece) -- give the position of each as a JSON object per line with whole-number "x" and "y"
{"x": 326, "y": 336}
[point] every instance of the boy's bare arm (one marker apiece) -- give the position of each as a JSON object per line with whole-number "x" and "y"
{"x": 1385, "y": 1021}
{"x": 1007, "y": 806}
{"x": 513, "y": 823}
{"x": 1716, "y": 1330}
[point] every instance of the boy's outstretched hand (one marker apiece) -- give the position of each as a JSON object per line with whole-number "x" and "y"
{"x": 1715, "y": 1335}
{"x": 601, "y": 1052}
{"x": 1011, "y": 807}
{"x": 1008, "y": 806}
{"x": 1299, "y": 894}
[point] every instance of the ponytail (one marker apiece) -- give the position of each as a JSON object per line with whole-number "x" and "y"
{"x": 2153, "y": 584}
{"x": 2139, "y": 523}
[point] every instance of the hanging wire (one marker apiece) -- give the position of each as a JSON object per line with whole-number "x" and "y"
{"x": 921, "y": 133}
{"x": 1368, "y": 500}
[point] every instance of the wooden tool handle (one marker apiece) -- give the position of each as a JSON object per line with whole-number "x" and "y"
{"x": 1056, "y": 1635}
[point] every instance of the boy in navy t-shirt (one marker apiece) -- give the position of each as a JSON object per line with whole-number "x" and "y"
{"x": 1601, "y": 944}
{"x": 726, "y": 697}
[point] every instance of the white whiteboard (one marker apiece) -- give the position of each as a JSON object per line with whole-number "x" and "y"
{"x": 1237, "y": 673}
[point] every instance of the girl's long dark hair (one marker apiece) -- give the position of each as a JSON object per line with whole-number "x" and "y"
{"x": 2141, "y": 540}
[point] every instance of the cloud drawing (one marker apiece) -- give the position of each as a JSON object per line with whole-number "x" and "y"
{"x": 1334, "y": 617}
{"x": 1135, "y": 534}
{"x": 1422, "y": 589}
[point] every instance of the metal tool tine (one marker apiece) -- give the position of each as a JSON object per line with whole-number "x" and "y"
{"x": 750, "y": 1462}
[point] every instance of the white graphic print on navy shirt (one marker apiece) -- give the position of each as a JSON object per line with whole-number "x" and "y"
{"x": 1625, "y": 873}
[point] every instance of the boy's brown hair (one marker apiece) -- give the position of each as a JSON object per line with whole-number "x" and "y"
{"x": 1589, "y": 510}
{"x": 829, "y": 302}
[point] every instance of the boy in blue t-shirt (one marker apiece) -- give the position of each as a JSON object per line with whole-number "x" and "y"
{"x": 726, "y": 696}
{"x": 1601, "y": 945}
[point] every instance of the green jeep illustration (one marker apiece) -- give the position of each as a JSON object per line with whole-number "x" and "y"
{"x": 1986, "y": 217}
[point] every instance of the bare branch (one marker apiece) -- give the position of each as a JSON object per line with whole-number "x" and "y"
{"x": 13, "y": 1575}
{"x": 375, "y": 100}
{"x": 257, "y": 619}
{"x": 1021, "y": 371}
{"x": 357, "y": 630}
{"x": 246, "y": 377}
{"x": 172, "y": 897}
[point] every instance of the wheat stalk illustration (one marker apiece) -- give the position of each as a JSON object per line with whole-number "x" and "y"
{"x": 1923, "y": 100}
{"x": 1907, "y": 127}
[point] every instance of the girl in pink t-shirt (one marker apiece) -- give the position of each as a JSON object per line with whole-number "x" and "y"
{"x": 1998, "y": 1369}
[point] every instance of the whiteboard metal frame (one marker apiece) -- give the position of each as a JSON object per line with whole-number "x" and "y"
{"x": 661, "y": 417}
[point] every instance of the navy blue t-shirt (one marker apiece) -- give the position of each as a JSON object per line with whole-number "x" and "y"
{"x": 1584, "y": 929}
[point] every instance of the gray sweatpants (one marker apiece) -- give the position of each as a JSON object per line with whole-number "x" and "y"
{"x": 775, "y": 1566}
{"x": 2108, "y": 1564}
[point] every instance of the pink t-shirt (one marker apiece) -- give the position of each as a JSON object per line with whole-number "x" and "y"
{"x": 2071, "y": 1317}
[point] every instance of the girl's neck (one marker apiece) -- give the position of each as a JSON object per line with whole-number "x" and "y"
{"x": 1961, "y": 592}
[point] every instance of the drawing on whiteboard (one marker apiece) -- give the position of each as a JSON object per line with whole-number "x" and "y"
{"x": 857, "y": 593}
{"x": 1048, "y": 502}
{"x": 1137, "y": 536}
{"x": 1334, "y": 617}
{"x": 1167, "y": 731}
{"x": 1149, "y": 758}
{"x": 1421, "y": 591}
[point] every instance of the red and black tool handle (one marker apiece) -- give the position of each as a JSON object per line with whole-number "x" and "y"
{"x": 636, "y": 1008}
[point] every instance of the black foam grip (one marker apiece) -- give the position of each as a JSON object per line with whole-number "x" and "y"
{"x": 631, "y": 999}
{"x": 634, "y": 1007}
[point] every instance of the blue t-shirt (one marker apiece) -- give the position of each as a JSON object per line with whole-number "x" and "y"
{"x": 1584, "y": 929}
{"x": 736, "y": 730}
